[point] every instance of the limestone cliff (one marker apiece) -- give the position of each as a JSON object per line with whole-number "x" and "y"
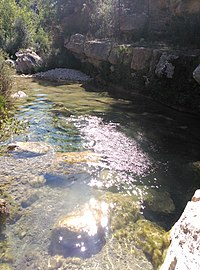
{"x": 184, "y": 251}
{"x": 149, "y": 46}
{"x": 168, "y": 75}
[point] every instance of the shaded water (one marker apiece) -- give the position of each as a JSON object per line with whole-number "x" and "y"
{"x": 141, "y": 149}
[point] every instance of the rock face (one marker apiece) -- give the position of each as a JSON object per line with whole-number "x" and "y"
{"x": 184, "y": 251}
{"x": 166, "y": 74}
{"x": 76, "y": 43}
{"x": 141, "y": 58}
{"x": 165, "y": 67}
{"x": 27, "y": 61}
{"x": 97, "y": 50}
{"x": 182, "y": 7}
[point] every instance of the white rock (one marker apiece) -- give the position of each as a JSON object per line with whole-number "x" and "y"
{"x": 196, "y": 74}
{"x": 19, "y": 94}
{"x": 164, "y": 68}
{"x": 184, "y": 251}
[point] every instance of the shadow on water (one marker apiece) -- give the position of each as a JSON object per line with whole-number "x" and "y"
{"x": 170, "y": 137}
{"x": 63, "y": 181}
{"x": 76, "y": 244}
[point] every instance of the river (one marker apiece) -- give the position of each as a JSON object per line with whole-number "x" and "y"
{"x": 81, "y": 145}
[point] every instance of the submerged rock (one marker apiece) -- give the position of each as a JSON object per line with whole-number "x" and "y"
{"x": 158, "y": 201}
{"x": 4, "y": 212}
{"x": 122, "y": 210}
{"x": 34, "y": 147}
{"x": 184, "y": 250}
{"x": 77, "y": 157}
{"x": 38, "y": 181}
{"x": 82, "y": 232}
{"x": 10, "y": 209}
{"x": 31, "y": 198}
{"x": 5, "y": 266}
{"x": 3, "y": 208}
{"x": 129, "y": 227}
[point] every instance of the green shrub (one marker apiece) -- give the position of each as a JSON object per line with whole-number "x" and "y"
{"x": 5, "y": 77}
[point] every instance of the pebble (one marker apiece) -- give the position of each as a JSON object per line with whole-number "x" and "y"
{"x": 62, "y": 74}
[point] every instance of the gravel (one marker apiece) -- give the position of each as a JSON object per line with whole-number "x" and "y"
{"x": 62, "y": 74}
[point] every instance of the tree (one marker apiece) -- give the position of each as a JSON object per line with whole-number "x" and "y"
{"x": 9, "y": 11}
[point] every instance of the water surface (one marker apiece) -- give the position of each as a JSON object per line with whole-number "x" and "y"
{"x": 142, "y": 147}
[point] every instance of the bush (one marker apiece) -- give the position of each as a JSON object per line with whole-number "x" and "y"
{"x": 5, "y": 77}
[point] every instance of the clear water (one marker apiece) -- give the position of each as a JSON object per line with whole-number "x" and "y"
{"x": 141, "y": 146}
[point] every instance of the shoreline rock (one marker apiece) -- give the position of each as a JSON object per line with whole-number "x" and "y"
{"x": 184, "y": 250}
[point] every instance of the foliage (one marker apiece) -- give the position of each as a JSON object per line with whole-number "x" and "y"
{"x": 21, "y": 26}
{"x": 2, "y": 103}
{"x": 10, "y": 126}
{"x": 5, "y": 78}
{"x": 102, "y": 20}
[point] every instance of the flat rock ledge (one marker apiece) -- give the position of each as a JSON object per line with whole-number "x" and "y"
{"x": 184, "y": 250}
{"x": 62, "y": 74}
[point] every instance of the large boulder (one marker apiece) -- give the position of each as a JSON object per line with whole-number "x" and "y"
{"x": 97, "y": 50}
{"x": 184, "y": 250}
{"x": 141, "y": 58}
{"x": 76, "y": 43}
{"x": 27, "y": 61}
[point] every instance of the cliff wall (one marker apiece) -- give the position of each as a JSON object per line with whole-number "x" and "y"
{"x": 163, "y": 73}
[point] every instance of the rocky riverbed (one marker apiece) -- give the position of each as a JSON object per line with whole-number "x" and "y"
{"x": 62, "y": 74}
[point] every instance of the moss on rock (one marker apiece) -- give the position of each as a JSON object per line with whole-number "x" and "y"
{"x": 77, "y": 157}
{"x": 14, "y": 208}
{"x": 129, "y": 227}
{"x": 123, "y": 210}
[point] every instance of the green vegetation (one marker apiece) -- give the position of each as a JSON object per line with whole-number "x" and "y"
{"x": 8, "y": 124}
{"x": 21, "y": 26}
{"x": 45, "y": 24}
{"x": 5, "y": 82}
{"x": 5, "y": 79}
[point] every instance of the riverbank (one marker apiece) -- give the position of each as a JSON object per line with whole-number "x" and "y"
{"x": 59, "y": 75}
{"x": 62, "y": 75}
{"x": 166, "y": 74}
